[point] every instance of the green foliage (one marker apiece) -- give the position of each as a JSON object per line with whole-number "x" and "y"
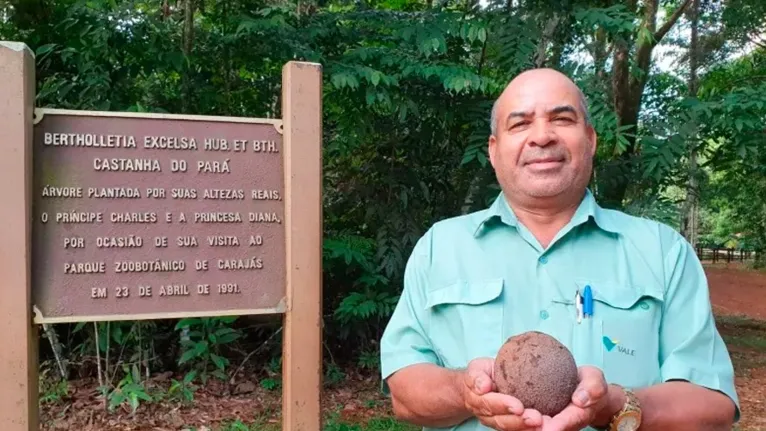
{"x": 274, "y": 379}
{"x": 375, "y": 424}
{"x": 734, "y": 102}
{"x": 129, "y": 391}
{"x": 184, "y": 389}
{"x": 271, "y": 384}
{"x": 333, "y": 375}
{"x": 332, "y": 423}
{"x": 235, "y": 426}
{"x": 369, "y": 359}
{"x": 202, "y": 341}
{"x": 52, "y": 389}
{"x": 408, "y": 87}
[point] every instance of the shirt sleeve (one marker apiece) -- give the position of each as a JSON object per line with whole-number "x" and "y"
{"x": 405, "y": 340}
{"x": 691, "y": 348}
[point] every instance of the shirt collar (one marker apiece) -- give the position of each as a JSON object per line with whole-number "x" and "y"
{"x": 588, "y": 209}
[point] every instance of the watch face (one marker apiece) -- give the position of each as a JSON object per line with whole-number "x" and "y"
{"x": 628, "y": 423}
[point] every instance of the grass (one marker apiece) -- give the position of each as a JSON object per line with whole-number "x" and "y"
{"x": 331, "y": 424}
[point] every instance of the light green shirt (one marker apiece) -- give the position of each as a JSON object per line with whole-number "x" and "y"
{"x": 473, "y": 281}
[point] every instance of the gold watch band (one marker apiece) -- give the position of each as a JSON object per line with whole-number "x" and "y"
{"x": 629, "y": 417}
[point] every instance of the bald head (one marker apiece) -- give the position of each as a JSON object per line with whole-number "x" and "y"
{"x": 542, "y": 144}
{"x": 538, "y": 81}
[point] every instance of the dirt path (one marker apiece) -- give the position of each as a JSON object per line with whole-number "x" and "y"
{"x": 739, "y": 301}
{"x": 737, "y": 291}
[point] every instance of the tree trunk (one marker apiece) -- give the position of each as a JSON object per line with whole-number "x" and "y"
{"x": 188, "y": 42}
{"x": 689, "y": 223}
{"x": 760, "y": 249}
{"x": 759, "y": 232}
{"x": 474, "y": 191}
{"x": 628, "y": 89}
{"x": 546, "y": 37}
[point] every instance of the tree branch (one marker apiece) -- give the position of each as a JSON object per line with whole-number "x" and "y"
{"x": 542, "y": 47}
{"x": 758, "y": 43}
{"x": 659, "y": 34}
{"x": 643, "y": 56}
{"x": 748, "y": 79}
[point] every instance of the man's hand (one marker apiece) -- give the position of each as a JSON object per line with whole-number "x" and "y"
{"x": 588, "y": 402}
{"x": 493, "y": 409}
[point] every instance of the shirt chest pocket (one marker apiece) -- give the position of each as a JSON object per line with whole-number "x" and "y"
{"x": 622, "y": 335}
{"x": 466, "y": 319}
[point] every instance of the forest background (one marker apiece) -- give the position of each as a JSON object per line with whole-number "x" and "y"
{"x": 676, "y": 88}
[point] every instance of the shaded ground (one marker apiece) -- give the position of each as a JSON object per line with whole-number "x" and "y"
{"x": 739, "y": 299}
{"x": 355, "y": 404}
{"x": 746, "y": 340}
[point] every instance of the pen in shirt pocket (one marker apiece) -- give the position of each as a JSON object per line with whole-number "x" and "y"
{"x": 578, "y": 306}
{"x": 587, "y": 302}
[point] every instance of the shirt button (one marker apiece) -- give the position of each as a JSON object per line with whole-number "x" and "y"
{"x": 543, "y": 259}
{"x": 543, "y": 314}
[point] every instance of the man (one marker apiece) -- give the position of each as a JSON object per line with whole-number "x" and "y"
{"x": 648, "y": 353}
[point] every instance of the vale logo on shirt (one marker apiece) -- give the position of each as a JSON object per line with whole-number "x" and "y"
{"x": 610, "y": 345}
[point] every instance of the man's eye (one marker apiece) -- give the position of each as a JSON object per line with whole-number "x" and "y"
{"x": 563, "y": 119}
{"x": 518, "y": 124}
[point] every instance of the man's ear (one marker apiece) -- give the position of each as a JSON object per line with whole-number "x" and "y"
{"x": 593, "y": 140}
{"x": 492, "y": 149}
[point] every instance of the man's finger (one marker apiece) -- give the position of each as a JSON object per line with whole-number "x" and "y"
{"x": 546, "y": 423}
{"x": 488, "y": 421}
{"x": 572, "y": 417}
{"x": 532, "y": 418}
{"x": 478, "y": 381}
{"x": 591, "y": 388}
{"x": 589, "y": 372}
{"x": 504, "y": 422}
{"x": 495, "y": 403}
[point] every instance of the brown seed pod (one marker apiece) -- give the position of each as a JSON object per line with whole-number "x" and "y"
{"x": 538, "y": 370}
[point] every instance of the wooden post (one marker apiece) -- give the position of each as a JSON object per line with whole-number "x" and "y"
{"x": 18, "y": 335}
{"x": 302, "y": 335}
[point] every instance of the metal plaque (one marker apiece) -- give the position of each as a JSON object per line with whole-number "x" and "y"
{"x": 156, "y": 216}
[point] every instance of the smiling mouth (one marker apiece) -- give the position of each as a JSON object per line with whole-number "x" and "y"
{"x": 545, "y": 162}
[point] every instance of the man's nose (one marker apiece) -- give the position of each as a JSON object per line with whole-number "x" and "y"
{"x": 540, "y": 133}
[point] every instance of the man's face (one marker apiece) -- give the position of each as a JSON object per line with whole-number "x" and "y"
{"x": 542, "y": 147}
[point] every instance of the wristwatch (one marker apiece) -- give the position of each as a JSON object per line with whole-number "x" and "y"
{"x": 629, "y": 417}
